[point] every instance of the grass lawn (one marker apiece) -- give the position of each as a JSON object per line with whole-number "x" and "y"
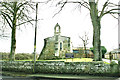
{"x": 72, "y": 60}
{"x": 65, "y": 60}
{"x": 69, "y": 60}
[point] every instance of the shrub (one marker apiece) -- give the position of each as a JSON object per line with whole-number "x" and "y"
{"x": 23, "y": 56}
{"x": 19, "y": 56}
{"x": 4, "y": 56}
{"x": 113, "y": 63}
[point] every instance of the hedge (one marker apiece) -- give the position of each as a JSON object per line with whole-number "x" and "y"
{"x": 18, "y": 56}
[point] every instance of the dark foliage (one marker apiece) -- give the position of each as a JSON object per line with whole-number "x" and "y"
{"x": 19, "y": 56}
{"x": 103, "y": 49}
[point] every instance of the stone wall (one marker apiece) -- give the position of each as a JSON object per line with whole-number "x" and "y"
{"x": 90, "y": 68}
{"x": 17, "y": 66}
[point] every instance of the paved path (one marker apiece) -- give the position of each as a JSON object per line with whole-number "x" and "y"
{"x": 107, "y": 60}
{"x": 71, "y": 77}
{"x": 58, "y": 77}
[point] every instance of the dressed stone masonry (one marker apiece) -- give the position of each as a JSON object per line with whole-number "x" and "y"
{"x": 55, "y": 47}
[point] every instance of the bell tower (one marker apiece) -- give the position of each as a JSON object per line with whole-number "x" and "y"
{"x": 57, "y": 32}
{"x": 57, "y": 29}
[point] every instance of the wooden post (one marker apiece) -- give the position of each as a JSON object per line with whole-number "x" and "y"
{"x": 35, "y": 38}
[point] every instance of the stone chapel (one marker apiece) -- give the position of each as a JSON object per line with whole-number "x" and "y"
{"x": 57, "y": 46}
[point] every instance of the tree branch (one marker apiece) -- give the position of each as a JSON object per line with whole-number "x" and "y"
{"x": 114, "y": 16}
{"x": 25, "y": 22}
{"x": 60, "y": 8}
{"x": 112, "y": 4}
{"x": 6, "y": 15}
{"x": 84, "y": 4}
{"x": 21, "y": 5}
{"x": 82, "y": 39}
{"x": 7, "y": 20}
{"x": 4, "y": 4}
{"x": 104, "y": 6}
{"x": 110, "y": 11}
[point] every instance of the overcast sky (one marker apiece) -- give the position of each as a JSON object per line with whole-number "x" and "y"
{"x": 74, "y": 22}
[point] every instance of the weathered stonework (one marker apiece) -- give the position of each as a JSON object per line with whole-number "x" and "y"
{"x": 61, "y": 67}
{"x": 55, "y": 47}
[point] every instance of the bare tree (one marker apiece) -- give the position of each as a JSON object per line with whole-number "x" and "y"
{"x": 14, "y": 14}
{"x": 96, "y": 16}
{"x": 85, "y": 43}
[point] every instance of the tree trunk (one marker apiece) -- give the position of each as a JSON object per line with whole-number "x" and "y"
{"x": 85, "y": 51}
{"x": 13, "y": 37}
{"x": 96, "y": 31}
{"x": 13, "y": 44}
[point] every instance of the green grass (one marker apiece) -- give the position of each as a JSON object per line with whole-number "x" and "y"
{"x": 65, "y": 60}
{"x": 79, "y": 60}
{"x": 72, "y": 60}
{"x": 9, "y": 73}
{"x": 106, "y": 62}
{"x": 19, "y": 60}
{"x": 24, "y": 60}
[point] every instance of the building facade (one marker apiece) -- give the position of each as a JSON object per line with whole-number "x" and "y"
{"x": 115, "y": 54}
{"x": 56, "y": 46}
{"x": 79, "y": 52}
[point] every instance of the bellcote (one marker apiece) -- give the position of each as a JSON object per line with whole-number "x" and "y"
{"x": 57, "y": 29}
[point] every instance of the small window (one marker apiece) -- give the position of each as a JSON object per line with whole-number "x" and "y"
{"x": 60, "y": 46}
{"x": 56, "y": 45}
{"x": 57, "y": 29}
{"x": 68, "y": 44}
{"x": 56, "y": 48}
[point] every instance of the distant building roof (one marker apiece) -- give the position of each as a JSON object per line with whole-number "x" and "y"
{"x": 107, "y": 52}
{"x": 115, "y": 51}
{"x": 76, "y": 48}
{"x": 75, "y": 51}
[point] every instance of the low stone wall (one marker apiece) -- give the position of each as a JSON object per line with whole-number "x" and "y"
{"x": 91, "y": 68}
{"x": 17, "y": 66}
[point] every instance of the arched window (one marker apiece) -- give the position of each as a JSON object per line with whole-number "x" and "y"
{"x": 60, "y": 46}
